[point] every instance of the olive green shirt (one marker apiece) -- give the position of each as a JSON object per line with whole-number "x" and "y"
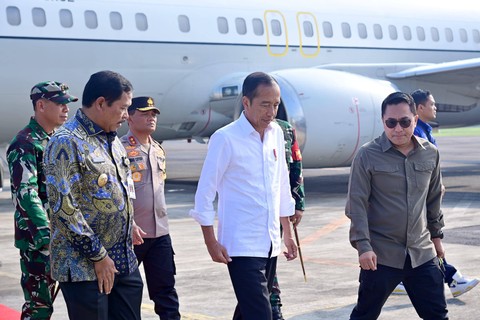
{"x": 394, "y": 202}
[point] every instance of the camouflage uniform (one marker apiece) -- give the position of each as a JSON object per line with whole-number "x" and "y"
{"x": 32, "y": 231}
{"x": 294, "y": 160}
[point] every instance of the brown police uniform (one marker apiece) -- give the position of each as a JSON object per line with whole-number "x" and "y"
{"x": 148, "y": 173}
{"x": 147, "y": 163}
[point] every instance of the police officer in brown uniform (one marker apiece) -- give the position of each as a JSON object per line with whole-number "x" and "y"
{"x": 151, "y": 237}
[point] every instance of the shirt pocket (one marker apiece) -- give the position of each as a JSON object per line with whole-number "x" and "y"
{"x": 423, "y": 173}
{"x": 386, "y": 176}
{"x": 161, "y": 167}
{"x": 138, "y": 168}
{"x": 385, "y": 169}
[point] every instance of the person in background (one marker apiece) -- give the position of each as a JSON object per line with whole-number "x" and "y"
{"x": 89, "y": 186}
{"x": 393, "y": 202}
{"x": 427, "y": 111}
{"x": 245, "y": 166}
{"x": 153, "y": 245}
{"x": 294, "y": 163}
{"x": 27, "y": 178}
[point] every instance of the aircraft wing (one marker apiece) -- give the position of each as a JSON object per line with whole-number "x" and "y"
{"x": 461, "y": 72}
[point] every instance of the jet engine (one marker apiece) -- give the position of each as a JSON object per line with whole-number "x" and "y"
{"x": 334, "y": 112}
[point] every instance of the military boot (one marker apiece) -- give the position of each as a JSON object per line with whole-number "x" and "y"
{"x": 277, "y": 313}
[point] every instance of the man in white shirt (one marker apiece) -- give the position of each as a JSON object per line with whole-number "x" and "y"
{"x": 245, "y": 166}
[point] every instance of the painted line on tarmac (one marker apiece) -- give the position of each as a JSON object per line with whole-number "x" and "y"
{"x": 10, "y": 275}
{"x": 461, "y": 207}
{"x": 7, "y": 313}
{"x": 332, "y": 226}
{"x": 330, "y": 262}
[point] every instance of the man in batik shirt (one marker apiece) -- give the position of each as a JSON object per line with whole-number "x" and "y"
{"x": 89, "y": 187}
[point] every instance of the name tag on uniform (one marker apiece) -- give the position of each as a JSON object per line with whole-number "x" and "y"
{"x": 131, "y": 188}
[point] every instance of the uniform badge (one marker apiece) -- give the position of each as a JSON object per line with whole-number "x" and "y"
{"x": 132, "y": 140}
{"x": 102, "y": 180}
{"x": 131, "y": 188}
{"x": 133, "y": 153}
{"x": 136, "y": 176}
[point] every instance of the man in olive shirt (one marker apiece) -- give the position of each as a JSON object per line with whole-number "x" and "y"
{"x": 393, "y": 202}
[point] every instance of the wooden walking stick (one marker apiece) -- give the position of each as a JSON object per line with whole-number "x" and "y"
{"x": 300, "y": 252}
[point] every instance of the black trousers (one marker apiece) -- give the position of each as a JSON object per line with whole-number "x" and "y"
{"x": 84, "y": 301}
{"x": 252, "y": 280}
{"x": 424, "y": 285}
{"x": 156, "y": 254}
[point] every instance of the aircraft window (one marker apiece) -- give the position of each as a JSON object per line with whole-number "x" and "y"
{"x": 346, "y": 31}
{"x": 222, "y": 25}
{"x": 377, "y": 31}
{"x": 13, "y": 16}
{"x": 449, "y": 34}
{"x": 257, "y": 26}
{"x": 435, "y": 34}
{"x": 39, "y": 18}
{"x": 463, "y": 35}
{"x": 184, "y": 23}
{"x": 116, "y": 20}
{"x": 241, "y": 25}
{"x": 327, "y": 29}
{"x": 392, "y": 32}
{"x": 141, "y": 21}
{"x": 66, "y": 18}
{"x": 276, "y": 27}
{"x": 407, "y": 33}
{"x": 476, "y": 36}
{"x": 362, "y": 30}
{"x": 421, "y": 33}
{"x": 91, "y": 19}
{"x": 308, "y": 29}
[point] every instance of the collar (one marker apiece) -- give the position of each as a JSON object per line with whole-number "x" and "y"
{"x": 247, "y": 126}
{"x": 133, "y": 141}
{"x": 386, "y": 144}
{"x": 91, "y": 127}
{"x": 425, "y": 126}
{"x": 38, "y": 129}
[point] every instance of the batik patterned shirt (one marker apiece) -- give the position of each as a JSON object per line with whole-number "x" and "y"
{"x": 87, "y": 172}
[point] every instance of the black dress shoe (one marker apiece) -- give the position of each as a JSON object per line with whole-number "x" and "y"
{"x": 277, "y": 313}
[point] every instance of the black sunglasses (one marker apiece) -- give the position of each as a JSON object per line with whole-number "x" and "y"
{"x": 392, "y": 123}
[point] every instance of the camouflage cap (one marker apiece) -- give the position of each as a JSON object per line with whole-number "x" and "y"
{"x": 143, "y": 104}
{"x": 53, "y": 91}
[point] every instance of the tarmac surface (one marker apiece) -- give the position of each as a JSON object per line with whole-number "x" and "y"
{"x": 331, "y": 264}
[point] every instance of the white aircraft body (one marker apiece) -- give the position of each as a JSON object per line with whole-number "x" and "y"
{"x": 335, "y": 61}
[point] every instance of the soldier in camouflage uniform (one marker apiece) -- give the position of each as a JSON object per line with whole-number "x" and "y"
{"x": 32, "y": 231}
{"x": 294, "y": 161}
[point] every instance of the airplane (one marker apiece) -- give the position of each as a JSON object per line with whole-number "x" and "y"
{"x": 335, "y": 62}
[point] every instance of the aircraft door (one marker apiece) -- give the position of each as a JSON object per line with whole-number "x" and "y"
{"x": 276, "y": 33}
{"x": 308, "y": 35}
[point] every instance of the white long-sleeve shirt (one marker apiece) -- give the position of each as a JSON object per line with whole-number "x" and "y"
{"x": 251, "y": 179}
